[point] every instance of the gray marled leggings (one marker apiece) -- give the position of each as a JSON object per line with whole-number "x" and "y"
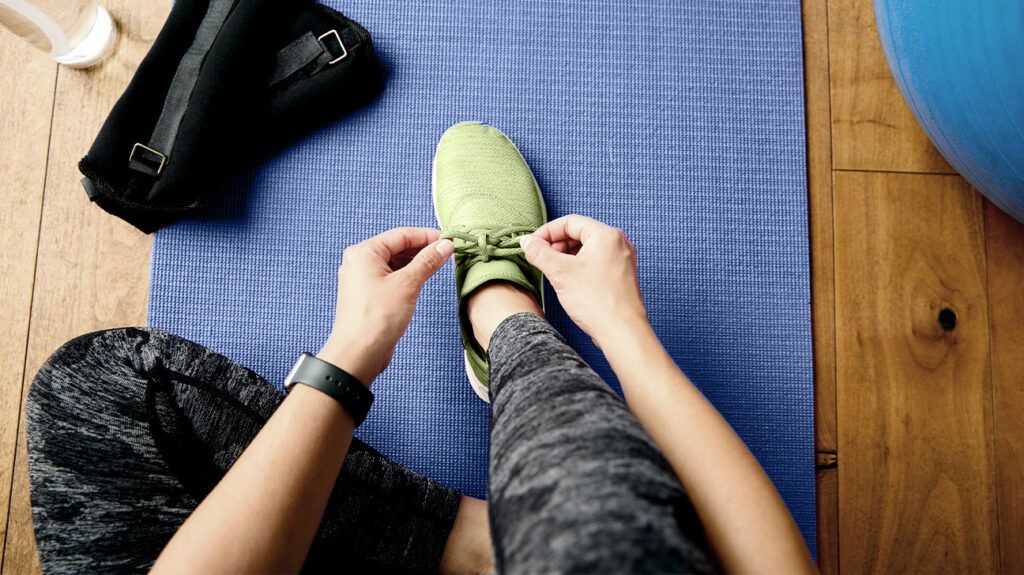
{"x": 130, "y": 428}
{"x": 576, "y": 485}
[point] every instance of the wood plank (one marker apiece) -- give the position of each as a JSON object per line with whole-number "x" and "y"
{"x": 819, "y": 183}
{"x": 1006, "y": 314}
{"x": 828, "y": 518}
{"x": 917, "y": 485}
{"x": 26, "y": 105}
{"x": 873, "y": 129}
{"x": 93, "y": 269}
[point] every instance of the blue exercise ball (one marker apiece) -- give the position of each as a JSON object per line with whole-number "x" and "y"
{"x": 960, "y": 67}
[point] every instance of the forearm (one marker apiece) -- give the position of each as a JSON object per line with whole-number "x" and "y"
{"x": 747, "y": 522}
{"x": 264, "y": 513}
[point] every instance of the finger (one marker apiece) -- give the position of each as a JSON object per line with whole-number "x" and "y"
{"x": 571, "y": 227}
{"x": 541, "y": 255}
{"x": 427, "y": 261}
{"x": 396, "y": 240}
{"x": 571, "y": 247}
{"x": 402, "y": 259}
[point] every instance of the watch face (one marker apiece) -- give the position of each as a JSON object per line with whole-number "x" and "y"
{"x": 290, "y": 380}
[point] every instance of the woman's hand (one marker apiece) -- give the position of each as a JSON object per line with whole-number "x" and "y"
{"x": 593, "y": 269}
{"x": 379, "y": 282}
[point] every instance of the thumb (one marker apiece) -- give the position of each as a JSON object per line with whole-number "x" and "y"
{"x": 541, "y": 255}
{"x": 428, "y": 261}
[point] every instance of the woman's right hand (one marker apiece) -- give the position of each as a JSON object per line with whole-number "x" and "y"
{"x": 593, "y": 269}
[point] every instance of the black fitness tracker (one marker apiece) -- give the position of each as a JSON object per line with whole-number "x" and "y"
{"x": 335, "y": 382}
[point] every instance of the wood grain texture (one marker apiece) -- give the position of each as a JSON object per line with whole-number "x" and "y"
{"x": 917, "y": 486}
{"x": 819, "y": 183}
{"x": 93, "y": 269}
{"x": 827, "y": 483}
{"x": 24, "y": 133}
{"x": 1006, "y": 310}
{"x": 872, "y": 127}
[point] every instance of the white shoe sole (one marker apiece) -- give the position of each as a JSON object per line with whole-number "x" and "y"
{"x": 479, "y": 388}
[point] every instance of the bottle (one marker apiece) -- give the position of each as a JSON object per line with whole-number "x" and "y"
{"x": 76, "y": 33}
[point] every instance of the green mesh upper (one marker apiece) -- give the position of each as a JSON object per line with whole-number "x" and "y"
{"x": 485, "y": 197}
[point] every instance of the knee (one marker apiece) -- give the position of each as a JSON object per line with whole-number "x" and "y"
{"x": 122, "y": 345}
{"x": 85, "y": 362}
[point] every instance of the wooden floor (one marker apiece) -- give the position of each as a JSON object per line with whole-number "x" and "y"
{"x": 918, "y": 286}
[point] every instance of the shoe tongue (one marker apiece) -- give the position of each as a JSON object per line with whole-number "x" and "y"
{"x": 494, "y": 270}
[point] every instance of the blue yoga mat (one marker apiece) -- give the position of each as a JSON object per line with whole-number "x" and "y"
{"x": 680, "y": 122}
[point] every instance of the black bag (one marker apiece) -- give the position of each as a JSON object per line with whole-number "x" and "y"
{"x": 225, "y": 80}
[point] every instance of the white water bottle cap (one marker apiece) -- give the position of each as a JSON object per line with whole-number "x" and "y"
{"x": 96, "y": 44}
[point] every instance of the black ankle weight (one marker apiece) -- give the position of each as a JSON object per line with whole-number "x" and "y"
{"x": 225, "y": 80}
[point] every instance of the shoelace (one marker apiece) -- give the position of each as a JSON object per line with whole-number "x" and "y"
{"x": 483, "y": 244}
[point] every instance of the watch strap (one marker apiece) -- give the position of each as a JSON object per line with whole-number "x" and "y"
{"x": 314, "y": 372}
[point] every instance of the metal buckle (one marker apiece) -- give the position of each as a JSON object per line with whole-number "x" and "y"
{"x": 137, "y": 147}
{"x": 337, "y": 37}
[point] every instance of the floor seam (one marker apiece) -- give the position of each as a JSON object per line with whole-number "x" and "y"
{"x": 28, "y": 327}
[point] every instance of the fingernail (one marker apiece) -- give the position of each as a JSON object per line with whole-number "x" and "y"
{"x": 445, "y": 248}
{"x": 525, "y": 241}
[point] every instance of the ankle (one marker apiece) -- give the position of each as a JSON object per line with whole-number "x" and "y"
{"x": 494, "y": 302}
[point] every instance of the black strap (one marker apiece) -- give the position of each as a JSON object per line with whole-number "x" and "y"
{"x": 353, "y": 396}
{"x": 296, "y": 56}
{"x": 309, "y": 54}
{"x": 150, "y": 158}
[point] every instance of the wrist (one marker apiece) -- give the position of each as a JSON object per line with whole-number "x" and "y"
{"x": 633, "y": 343}
{"x": 358, "y": 359}
{"x": 622, "y": 328}
{"x": 324, "y": 405}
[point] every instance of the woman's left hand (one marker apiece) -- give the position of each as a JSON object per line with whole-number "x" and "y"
{"x": 379, "y": 282}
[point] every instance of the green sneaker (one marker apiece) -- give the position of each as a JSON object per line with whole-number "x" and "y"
{"x": 485, "y": 198}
